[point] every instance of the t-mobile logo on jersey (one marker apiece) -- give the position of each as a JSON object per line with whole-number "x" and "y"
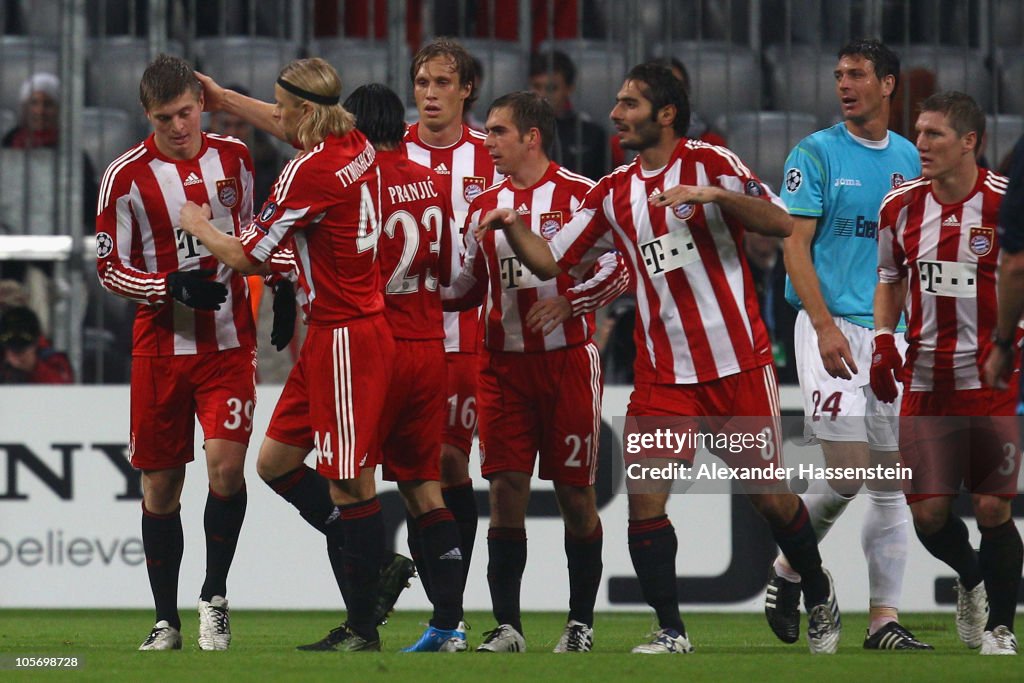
{"x": 511, "y": 272}
{"x": 948, "y": 278}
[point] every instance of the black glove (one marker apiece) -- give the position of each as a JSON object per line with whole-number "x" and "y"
{"x": 284, "y": 315}
{"x": 195, "y": 290}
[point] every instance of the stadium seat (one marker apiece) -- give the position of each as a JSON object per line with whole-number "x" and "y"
{"x": 28, "y": 200}
{"x": 115, "y": 66}
{"x": 106, "y": 134}
{"x": 20, "y": 57}
{"x": 600, "y": 68}
{"x": 8, "y": 120}
{"x": 504, "y": 65}
{"x": 723, "y": 77}
{"x": 1011, "y": 75}
{"x": 252, "y": 62}
{"x": 763, "y": 139}
{"x": 42, "y": 17}
{"x": 801, "y": 79}
{"x": 955, "y": 69}
{"x": 360, "y": 62}
{"x": 1002, "y": 132}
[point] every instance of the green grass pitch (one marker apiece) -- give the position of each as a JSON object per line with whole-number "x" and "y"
{"x": 729, "y": 647}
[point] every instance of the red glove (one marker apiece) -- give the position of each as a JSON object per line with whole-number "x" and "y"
{"x": 886, "y": 365}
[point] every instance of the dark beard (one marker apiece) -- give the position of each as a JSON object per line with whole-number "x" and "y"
{"x": 647, "y": 135}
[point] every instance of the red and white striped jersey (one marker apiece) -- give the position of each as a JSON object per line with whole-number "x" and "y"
{"x": 464, "y": 169}
{"x": 698, "y": 316}
{"x": 492, "y": 268}
{"x": 415, "y": 247}
{"x": 949, "y": 255}
{"x": 325, "y": 205}
{"x": 139, "y": 242}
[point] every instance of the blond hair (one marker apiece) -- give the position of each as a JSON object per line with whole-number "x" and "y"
{"x": 316, "y": 76}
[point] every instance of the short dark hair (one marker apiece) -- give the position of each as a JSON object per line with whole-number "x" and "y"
{"x": 961, "y": 111}
{"x": 887, "y": 62}
{"x": 675, "y": 63}
{"x": 554, "y": 61}
{"x": 166, "y": 79}
{"x": 379, "y": 112}
{"x": 464, "y": 62}
{"x": 529, "y": 110}
{"x": 662, "y": 88}
{"x": 19, "y": 328}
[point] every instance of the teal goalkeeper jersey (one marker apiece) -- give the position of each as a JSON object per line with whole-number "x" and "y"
{"x": 841, "y": 180}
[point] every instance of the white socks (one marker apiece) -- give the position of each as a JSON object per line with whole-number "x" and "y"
{"x": 884, "y": 538}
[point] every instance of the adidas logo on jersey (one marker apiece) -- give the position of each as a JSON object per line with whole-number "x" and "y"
{"x": 655, "y": 192}
{"x": 193, "y": 179}
{"x": 523, "y": 209}
{"x": 453, "y": 554}
{"x": 441, "y": 169}
{"x": 951, "y": 222}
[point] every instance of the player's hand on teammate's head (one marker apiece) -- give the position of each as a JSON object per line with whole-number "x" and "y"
{"x": 194, "y": 289}
{"x": 213, "y": 93}
{"x": 886, "y": 368}
{"x": 192, "y": 215}
{"x": 284, "y": 314}
{"x": 495, "y": 219}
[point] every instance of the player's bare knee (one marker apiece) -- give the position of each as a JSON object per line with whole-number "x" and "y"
{"x": 647, "y": 505}
{"x": 350, "y": 491}
{"x": 454, "y": 465}
{"x": 276, "y": 460}
{"x": 509, "y": 495}
{"x": 778, "y": 509}
{"x": 930, "y": 515}
{"x": 161, "y": 490}
{"x": 579, "y": 508}
{"x": 990, "y": 511}
{"x": 421, "y": 496}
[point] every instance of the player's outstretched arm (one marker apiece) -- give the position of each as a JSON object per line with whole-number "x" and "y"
{"x": 835, "y": 351}
{"x": 532, "y": 249}
{"x": 757, "y": 215}
{"x": 256, "y": 112}
{"x": 195, "y": 220}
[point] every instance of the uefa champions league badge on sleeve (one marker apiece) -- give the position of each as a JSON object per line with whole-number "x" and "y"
{"x": 794, "y": 179}
{"x": 104, "y": 245}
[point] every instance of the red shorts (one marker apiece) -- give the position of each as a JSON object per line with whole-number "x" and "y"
{"x": 411, "y": 423}
{"x": 548, "y": 402}
{"x": 742, "y": 409}
{"x": 169, "y": 392}
{"x": 953, "y": 437}
{"x": 334, "y": 396}
{"x": 460, "y": 421}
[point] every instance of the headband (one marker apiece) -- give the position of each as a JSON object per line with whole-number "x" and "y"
{"x": 307, "y": 95}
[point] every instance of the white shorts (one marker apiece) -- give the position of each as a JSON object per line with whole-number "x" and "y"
{"x": 844, "y": 409}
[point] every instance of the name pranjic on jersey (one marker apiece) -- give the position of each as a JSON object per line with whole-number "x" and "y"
{"x": 411, "y": 192}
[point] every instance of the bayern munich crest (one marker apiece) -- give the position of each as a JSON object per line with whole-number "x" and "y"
{"x": 227, "y": 192}
{"x": 684, "y": 211}
{"x": 472, "y": 186}
{"x": 981, "y": 240}
{"x": 550, "y": 224}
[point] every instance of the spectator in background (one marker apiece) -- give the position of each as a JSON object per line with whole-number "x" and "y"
{"x": 39, "y": 126}
{"x": 580, "y": 143}
{"x": 698, "y": 130}
{"x": 27, "y": 356}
